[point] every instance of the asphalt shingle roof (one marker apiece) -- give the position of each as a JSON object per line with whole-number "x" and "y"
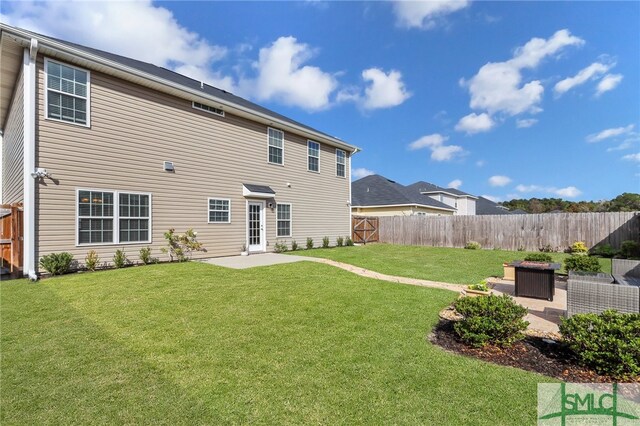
{"x": 376, "y": 190}
{"x": 422, "y": 186}
{"x": 259, "y": 188}
{"x": 485, "y": 206}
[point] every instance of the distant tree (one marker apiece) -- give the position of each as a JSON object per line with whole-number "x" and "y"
{"x": 625, "y": 202}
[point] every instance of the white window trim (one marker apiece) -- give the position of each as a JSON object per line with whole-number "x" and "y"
{"x": 290, "y": 221}
{"x": 345, "y": 163}
{"x": 309, "y": 142}
{"x": 220, "y": 114}
{"x": 46, "y": 93}
{"x": 268, "y": 145}
{"x": 115, "y": 218}
{"x": 209, "y": 210}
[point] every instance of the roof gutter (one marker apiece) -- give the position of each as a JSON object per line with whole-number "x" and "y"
{"x": 403, "y": 205}
{"x": 60, "y": 48}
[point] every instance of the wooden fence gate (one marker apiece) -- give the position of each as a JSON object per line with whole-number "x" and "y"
{"x": 11, "y": 239}
{"x": 365, "y": 229}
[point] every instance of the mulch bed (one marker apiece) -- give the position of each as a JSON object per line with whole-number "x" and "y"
{"x": 531, "y": 354}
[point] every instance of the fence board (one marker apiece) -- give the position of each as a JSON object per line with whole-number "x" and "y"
{"x": 512, "y": 232}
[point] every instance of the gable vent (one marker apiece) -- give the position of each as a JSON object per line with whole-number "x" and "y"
{"x": 208, "y": 108}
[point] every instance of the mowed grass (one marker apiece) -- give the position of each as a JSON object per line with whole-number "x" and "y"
{"x": 197, "y": 344}
{"x": 450, "y": 265}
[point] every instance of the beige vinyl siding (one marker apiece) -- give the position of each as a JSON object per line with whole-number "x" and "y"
{"x": 13, "y": 148}
{"x": 134, "y": 129}
{"x": 398, "y": 211}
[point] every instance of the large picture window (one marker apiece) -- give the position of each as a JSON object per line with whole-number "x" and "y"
{"x": 67, "y": 93}
{"x": 112, "y": 217}
{"x": 283, "y": 225}
{"x": 219, "y": 210}
{"x": 341, "y": 163}
{"x": 313, "y": 151}
{"x": 276, "y": 146}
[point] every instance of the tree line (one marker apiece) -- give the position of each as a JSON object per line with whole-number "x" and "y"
{"x": 625, "y": 202}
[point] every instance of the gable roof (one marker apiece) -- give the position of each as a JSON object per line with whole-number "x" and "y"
{"x": 427, "y": 187}
{"x": 219, "y": 97}
{"x": 376, "y": 190}
{"x": 485, "y": 206}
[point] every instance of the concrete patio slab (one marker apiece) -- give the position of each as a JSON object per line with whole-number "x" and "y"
{"x": 254, "y": 260}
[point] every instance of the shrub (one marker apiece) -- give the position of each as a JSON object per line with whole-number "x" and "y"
{"x": 582, "y": 263}
{"x": 547, "y": 248}
{"x": 481, "y": 286}
{"x": 181, "y": 246}
{"x": 348, "y": 242}
{"x": 538, "y": 257}
{"x": 57, "y": 263}
{"x": 492, "y": 319}
{"x": 604, "y": 250}
{"x": 145, "y": 256}
{"x": 630, "y": 248}
{"x": 309, "y": 243}
{"x": 120, "y": 259}
{"x": 92, "y": 260}
{"x": 294, "y": 245}
{"x": 339, "y": 242}
{"x": 280, "y": 248}
{"x": 579, "y": 247}
{"x": 473, "y": 245}
{"x": 325, "y": 242}
{"x": 608, "y": 342}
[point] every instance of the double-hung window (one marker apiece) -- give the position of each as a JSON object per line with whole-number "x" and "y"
{"x": 313, "y": 155}
{"x": 341, "y": 163}
{"x": 219, "y": 210}
{"x": 276, "y": 146}
{"x": 283, "y": 225}
{"x": 67, "y": 93}
{"x": 112, "y": 217}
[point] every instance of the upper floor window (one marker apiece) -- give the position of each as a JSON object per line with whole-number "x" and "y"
{"x": 276, "y": 146}
{"x": 341, "y": 163}
{"x": 67, "y": 93}
{"x": 313, "y": 151}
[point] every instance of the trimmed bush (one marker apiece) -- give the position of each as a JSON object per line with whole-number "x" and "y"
{"x": 309, "y": 243}
{"x": 280, "y": 248}
{"x": 339, "y": 242}
{"x": 497, "y": 320}
{"x": 538, "y": 257}
{"x": 145, "y": 256}
{"x": 348, "y": 242}
{"x": 91, "y": 261}
{"x": 473, "y": 245}
{"x": 325, "y": 242}
{"x": 579, "y": 247}
{"x": 120, "y": 259}
{"x": 608, "y": 342}
{"x": 604, "y": 250}
{"x": 582, "y": 263}
{"x": 294, "y": 245}
{"x": 57, "y": 263}
{"x": 630, "y": 248}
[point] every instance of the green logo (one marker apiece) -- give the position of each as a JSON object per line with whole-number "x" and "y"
{"x": 595, "y": 404}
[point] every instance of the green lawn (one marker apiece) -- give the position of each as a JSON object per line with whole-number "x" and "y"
{"x": 197, "y": 344}
{"x": 450, "y": 265}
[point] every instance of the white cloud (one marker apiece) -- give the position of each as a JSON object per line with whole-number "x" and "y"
{"x": 498, "y": 86}
{"x": 525, "y": 122}
{"x": 384, "y": 90}
{"x": 425, "y": 14}
{"x": 282, "y": 76}
{"x": 480, "y": 163}
{"x": 111, "y": 26}
{"x": 475, "y": 123}
{"x": 591, "y": 72}
{"x": 439, "y": 151}
{"x": 499, "y": 180}
{"x": 455, "y": 184}
{"x": 492, "y": 198}
{"x": 361, "y": 172}
{"x": 610, "y": 133}
{"x": 608, "y": 82}
{"x": 567, "y": 192}
{"x": 622, "y": 146}
{"x": 632, "y": 157}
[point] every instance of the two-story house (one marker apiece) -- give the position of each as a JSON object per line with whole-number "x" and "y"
{"x": 107, "y": 152}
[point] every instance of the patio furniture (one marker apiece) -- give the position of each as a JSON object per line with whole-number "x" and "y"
{"x": 595, "y": 293}
{"x": 535, "y": 279}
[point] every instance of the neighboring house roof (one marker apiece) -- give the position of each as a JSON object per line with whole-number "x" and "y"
{"x": 518, "y": 211}
{"x": 215, "y": 95}
{"x": 376, "y": 190}
{"x": 429, "y": 188}
{"x": 485, "y": 206}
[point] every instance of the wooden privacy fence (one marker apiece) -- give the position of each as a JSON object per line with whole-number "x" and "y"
{"x": 512, "y": 232}
{"x": 11, "y": 238}
{"x": 365, "y": 229}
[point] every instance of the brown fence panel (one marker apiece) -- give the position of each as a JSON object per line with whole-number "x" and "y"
{"x": 11, "y": 236}
{"x": 511, "y": 232}
{"x": 365, "y": 229}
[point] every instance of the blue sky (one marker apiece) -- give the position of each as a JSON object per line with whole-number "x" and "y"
{"x": 505, "y": 99}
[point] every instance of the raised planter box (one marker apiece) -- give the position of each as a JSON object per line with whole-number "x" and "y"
{"x": 509, "y": 272}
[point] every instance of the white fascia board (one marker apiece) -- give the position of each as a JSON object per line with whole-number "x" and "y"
{"x": 404, "y": 205}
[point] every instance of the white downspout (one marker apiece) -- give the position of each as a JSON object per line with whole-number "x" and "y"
{"x": 29, "y": 215}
